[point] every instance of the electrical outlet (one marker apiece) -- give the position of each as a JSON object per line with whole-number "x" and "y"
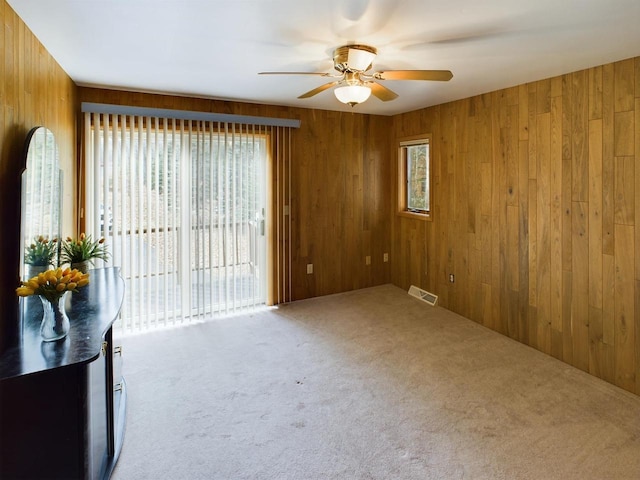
{"x": 385, "y": 257}
{"x": 309, "y": 268}
{"x": 367, "y": 260}
{"x": 451, "y": 278}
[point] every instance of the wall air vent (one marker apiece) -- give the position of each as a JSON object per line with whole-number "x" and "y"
{"x": 423, "y": 295}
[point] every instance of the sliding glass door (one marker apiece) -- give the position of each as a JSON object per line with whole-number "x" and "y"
{"x": 182, "y": 205}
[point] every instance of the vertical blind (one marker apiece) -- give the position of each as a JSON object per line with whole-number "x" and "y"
{"x": 194, "y": 212}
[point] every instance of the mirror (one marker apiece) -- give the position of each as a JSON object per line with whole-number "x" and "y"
{"x": 41, "y": 196}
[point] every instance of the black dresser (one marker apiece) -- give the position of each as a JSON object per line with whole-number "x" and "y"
{"x": 62, "y": 404}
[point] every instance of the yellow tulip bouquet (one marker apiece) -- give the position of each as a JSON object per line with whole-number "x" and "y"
{"x": 52, "y": 284}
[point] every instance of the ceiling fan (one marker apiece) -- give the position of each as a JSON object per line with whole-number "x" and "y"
{"x": 355, "y": 80}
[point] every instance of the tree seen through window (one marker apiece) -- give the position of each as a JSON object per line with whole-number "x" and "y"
{"x": 418, "y": 177}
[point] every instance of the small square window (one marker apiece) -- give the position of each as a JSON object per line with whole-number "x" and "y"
{"x": 414, "y": 186}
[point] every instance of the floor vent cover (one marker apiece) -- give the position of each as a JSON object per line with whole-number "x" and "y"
{"x": 423, "y": 295}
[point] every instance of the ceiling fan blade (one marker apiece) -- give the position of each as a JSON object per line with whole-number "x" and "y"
{"x": 322, "y": 74}
{"x": 437, "y": 75}
{"x": 381, "y": 92}
{"x": 317, "y": 90}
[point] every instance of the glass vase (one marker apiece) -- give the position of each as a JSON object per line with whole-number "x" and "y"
{"x": 31, "y": 271}
{"x": 55, "y": 323}
{"x": 82, "y": 266}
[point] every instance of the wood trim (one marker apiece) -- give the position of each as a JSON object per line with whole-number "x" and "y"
{"x": 401, "y": 199}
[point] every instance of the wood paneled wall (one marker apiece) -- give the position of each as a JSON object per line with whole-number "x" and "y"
{"x": 536, "y": 213}
{"x": 340, "y": 187}
{"x": 34, "y": 91}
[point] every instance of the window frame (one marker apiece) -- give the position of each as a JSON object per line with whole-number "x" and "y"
{"x": 402, "y": 200}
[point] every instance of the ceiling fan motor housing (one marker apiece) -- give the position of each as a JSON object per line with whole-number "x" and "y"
{"x": 353, "y": 58}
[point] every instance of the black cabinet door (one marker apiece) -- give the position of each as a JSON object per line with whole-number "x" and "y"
{"x": 97, "y": 416}
{"x": 43, "y": 418}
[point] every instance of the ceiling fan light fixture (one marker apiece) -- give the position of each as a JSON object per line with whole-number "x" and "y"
{"x": 352, "y": 94}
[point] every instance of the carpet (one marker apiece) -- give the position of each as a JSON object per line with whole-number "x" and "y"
{"x": 368, "y": 384}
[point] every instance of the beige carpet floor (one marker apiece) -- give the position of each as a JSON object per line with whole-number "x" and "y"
{"x": 369, "y": 384}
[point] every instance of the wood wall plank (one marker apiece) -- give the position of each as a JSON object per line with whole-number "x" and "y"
{"x": 579, "y": 144}
{"x": 608, "y": 158}
{"x": 595, "y": 213}
{"x": 636, "y": 341}
{"x": 625, "y": 322}
{"x": 532, "y": 294}
{"x": 543, "y": 96}
{"x": 595, "y": 93}
{"x": 637, "y": 77}
{"x": 512, "y": 156}
{"x": 567, "y": 176}
{"x": 513, "y": 248}
{"x": 624, "y": 85}
{"x": 533, "y": 242}
{"x": 567, "y": 316}
{"x": 580, "y": 286}
{"x": 637, "y": 174}
{"x": 498, "y": 209}
{"x": 608, "y": 299}
{"x": 556, "y": 220}
{"x": 523, "y": 243}
{"x": 624, "y": 187}
{"x": 596, "y": 345}
{"x": 624, "y": 134}
{"x": 523, "y": 112}
{"x": 531, "y": 122}
{"x": 543, "y": 232}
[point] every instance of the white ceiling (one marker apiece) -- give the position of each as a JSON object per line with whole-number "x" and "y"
{"x": 215, "y": 48}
